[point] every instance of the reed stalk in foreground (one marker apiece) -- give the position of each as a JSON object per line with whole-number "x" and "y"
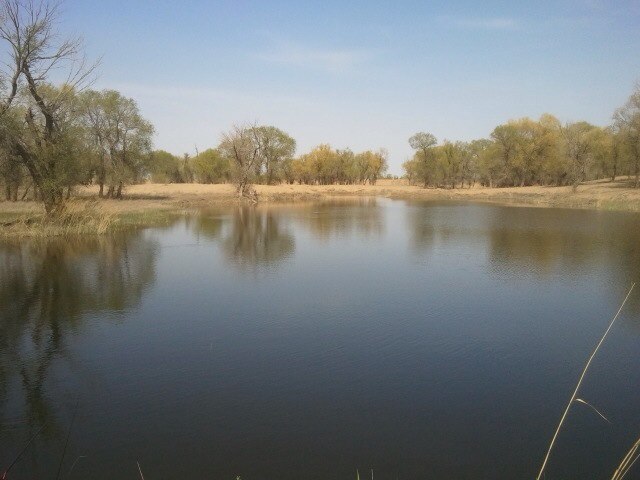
{"x": 575, "y": 391}
{"x": 3, "y": 475}
{"x": 627, "y": 462}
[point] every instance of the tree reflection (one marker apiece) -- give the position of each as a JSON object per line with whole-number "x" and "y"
{"x": 578, "y": 242}
{"x": 46, "y": 291}
{"x": 536, "y": 241}
{"x": 362, "y": 216}
{"x": 434, "y": 223}
{"x": 207, "y": 224}
{"x": 255, "y": 237}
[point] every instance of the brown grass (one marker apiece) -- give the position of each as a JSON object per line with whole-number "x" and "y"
{"x": 78, "y": 217}
{"x": 153, "y": 203}
{"x": 604, "y": 195}
{"x": 574, "y": 395}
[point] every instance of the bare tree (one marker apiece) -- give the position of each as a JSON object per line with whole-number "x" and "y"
{"x": 627, "y": 121}
{"x": 34, "y": 120}
{"x": 241, "y": 146}
{"x": 578, "y": 150}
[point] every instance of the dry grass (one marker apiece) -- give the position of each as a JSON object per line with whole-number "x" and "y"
{"x": 574, "y": 396}
{"x": 605, "y": 195}
{"x": 627, "y": 462}
{"x": 150, "y": 204}
{"x": 78, "y": 217}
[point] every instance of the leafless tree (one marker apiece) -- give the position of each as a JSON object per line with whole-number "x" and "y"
{"x": 627, "y": 121}
{"x": 241, "y": 145}
{"x": 33, "y": 114}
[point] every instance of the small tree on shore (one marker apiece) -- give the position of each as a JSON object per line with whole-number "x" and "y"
{"x": 242, "y": 147}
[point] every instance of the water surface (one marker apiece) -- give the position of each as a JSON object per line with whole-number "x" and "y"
{"x": 420, "y": 340}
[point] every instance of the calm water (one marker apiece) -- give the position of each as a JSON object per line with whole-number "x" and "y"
{"x": 423, "y": 340}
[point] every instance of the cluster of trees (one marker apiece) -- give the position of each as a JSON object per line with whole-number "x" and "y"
{"x": 206, "y": 167}
{"x": 533, "y": 152}
{"x": 324, "y": 165}
{"x": 94, "y": 137}
{"x": 249, "y": 154}
{"x": 265, "y": 154}
{"x": 53, "y": 137}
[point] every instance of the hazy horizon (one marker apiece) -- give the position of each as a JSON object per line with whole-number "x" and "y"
{"x": 363, "y": 75}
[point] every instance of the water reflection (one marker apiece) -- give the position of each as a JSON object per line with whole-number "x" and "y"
{"x": 47, "y": 290}
{"x": 255, "y": 237}
{"x": 534, "y": 241}
{"x": 545, "y": 242}
{"x": 208, "y": 224}
{"x": 363, "y": 217}
{"x": 565, "y": 238}
{"x": 442, "y": 223}
{"x": 352, "y": 343}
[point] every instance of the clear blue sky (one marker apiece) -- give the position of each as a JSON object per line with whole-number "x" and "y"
{"x": 360, "y": 74}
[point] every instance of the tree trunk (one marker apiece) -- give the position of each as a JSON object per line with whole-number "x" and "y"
{"x": 246, "y": 191}
{"x": 53, "y": 200}
{"x": 26, "y": 192}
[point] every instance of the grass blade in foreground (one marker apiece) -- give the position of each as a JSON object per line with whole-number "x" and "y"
{"x": 627, "y": 462}
{"x": 579, "y": 384}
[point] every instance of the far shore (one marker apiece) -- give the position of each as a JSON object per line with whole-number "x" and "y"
{"x": 601, "y": 195}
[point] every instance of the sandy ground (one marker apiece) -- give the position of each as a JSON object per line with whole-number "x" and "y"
{"x": 605, "y": 195}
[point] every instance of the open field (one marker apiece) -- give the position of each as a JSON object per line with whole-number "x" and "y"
{"x": 606, "y": 195}
{"x": 600, "y": 194}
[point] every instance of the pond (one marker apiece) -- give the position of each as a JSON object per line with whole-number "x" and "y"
{"x": 417, "y": 340}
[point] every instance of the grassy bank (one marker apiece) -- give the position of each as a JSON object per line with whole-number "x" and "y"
{"x": 80, "y": 217}
{"x": 152, "y": 204}
{"x": 605, "y": 195}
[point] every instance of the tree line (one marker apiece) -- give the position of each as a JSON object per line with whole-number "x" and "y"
{"x": 533, "y": 152}
{"x": 56, "y": 136}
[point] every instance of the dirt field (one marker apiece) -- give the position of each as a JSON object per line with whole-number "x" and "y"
{"x": 605, "y": 195}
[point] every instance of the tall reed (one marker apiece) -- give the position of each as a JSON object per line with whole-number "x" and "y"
{"x": 78, "y": 217}
{"x": 627, "y": 461}
{"x": 579, "y": 384}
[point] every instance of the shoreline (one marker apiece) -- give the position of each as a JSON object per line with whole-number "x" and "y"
{"x": 596, "y": 195}
{"x": 143, "y": 204}
{"x": 599, "y": 195}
